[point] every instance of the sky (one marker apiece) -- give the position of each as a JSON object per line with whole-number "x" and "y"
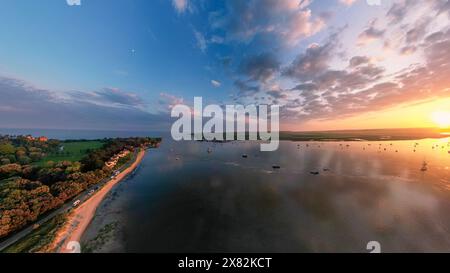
{"x": 123, "y": 64}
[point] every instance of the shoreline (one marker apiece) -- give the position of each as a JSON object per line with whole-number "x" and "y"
{"x": 79, "y": 219}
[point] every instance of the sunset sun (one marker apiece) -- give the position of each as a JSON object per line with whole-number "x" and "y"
{"x": 441, "y": 119}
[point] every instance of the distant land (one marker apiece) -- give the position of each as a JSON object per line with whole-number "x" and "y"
{"x": 331, "y": 135}
{"x": 367, "y": 134}
{"x": 364, "y": 134}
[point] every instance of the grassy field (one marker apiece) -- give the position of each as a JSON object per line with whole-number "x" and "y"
{"x": 73, "y": 151}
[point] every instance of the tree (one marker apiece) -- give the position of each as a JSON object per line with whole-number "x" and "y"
{"x": 35, "y": 156}
{"x": 27, "y": 191}
{"x": 21, "y": 151}
{"x": 12, "y": 158}
{"x": 24, "y": 160}
{"x": 10, "y": 170}
{"x": 7, "y": 149}
{"x": 5, "y": 161}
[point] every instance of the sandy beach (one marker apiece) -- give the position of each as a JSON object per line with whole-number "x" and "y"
{"x": 80, "y": 218}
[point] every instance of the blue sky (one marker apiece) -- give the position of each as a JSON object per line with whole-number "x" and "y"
{"x": 130, "y": 45}
{"x": 121, "y": 64}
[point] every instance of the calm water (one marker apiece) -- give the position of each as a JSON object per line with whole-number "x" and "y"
{"x": 183, "y": 199}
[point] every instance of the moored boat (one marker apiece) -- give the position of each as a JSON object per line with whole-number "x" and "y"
{"x": 424, "y": 167}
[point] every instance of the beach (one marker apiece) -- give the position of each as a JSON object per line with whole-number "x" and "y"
{"x": 80, "y": 218}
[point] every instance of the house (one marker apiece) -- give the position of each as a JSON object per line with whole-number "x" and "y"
{"x": 110, "y": 164}
{"x": 124, "y": 153}
{"x": 115, "y": 159}
{"x": 43, "y": 139}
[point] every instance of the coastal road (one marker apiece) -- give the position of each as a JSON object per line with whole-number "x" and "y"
{"x": 63, "y": 209}
{"x": 78, "y": 220}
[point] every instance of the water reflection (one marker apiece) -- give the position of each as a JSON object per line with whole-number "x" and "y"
{"x": 184, "y": 199}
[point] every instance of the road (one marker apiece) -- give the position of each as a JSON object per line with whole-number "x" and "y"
{"x": 63, "y": 209}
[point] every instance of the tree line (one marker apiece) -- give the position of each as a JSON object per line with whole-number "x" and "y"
{"x": 28, "y": 190}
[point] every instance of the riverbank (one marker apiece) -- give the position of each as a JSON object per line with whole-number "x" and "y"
{"x": 79, "y": 219}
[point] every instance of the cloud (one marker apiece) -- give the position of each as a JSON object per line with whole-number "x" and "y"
{"x": 246, "y": 88}
{"x": 276, "y": 57}
{"x": 287, "y": 20}
{"x": 307, "y": 65}
{"x": 180, "y": 5}
{"x": 358, "y": 60}
{"x": 418, "y": 31}
{"x": 347, "y": 2}
{"x": 313, "y": 61}
{"x": 115, "y": 96}
{"x": 408, "y": 50}
{"x": 201, "y": 41}
{"x": 261, "y": 28}
{"x": 216, "y": 83}
{"x": 443, "y": 7}
{"x": 324, "y": 80}
{"x": 305, "y": 87}
{"x": 277, "y": 93}
{"x": 215, "y": 39}
{"x": 435, "y": 37}
{"x": 364, "y": 87}
{"x": 255, "y": 72}
{"x": 106, "y": 97}
{"x": 399, "y": 9}
{"x": 370, "y": 34}
{"x": 169, "y": 101}
{"x": 25, "y": 106}
{"x": 300, "y": 26}
{"x": 260, "y": 67}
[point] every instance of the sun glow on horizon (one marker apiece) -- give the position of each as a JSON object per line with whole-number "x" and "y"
{"x": 441, "y": 118}
{"x": 429, "y": 114}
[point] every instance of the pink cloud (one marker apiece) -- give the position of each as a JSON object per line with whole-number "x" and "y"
{"x": 347, "y": 2}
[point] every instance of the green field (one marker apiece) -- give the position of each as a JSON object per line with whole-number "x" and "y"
{"x": 73, "y": 151}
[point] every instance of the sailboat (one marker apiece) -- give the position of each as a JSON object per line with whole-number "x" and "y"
{"x": 424, "y": 167}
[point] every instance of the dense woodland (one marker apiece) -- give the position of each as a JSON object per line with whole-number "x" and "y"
{"x": 28, "y": 189}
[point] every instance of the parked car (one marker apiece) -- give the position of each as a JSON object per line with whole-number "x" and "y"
{"x": 76, "y": 203}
